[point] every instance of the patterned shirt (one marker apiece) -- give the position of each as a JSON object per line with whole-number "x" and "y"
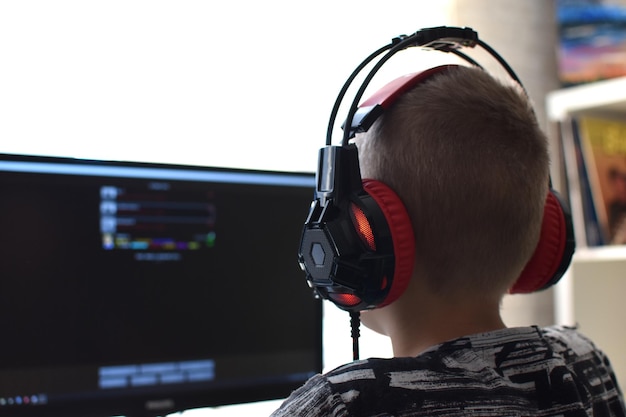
{"x": 525, "y": 371}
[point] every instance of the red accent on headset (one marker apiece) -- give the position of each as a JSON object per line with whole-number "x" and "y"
{"x": 346, "y": 300}
{"x": 384, "y": 283}
{"x": 388, "y": 94}
{"x": 401, "y": 235}
{"x": 382, "y": 99}
{"x": 363, "y": 227}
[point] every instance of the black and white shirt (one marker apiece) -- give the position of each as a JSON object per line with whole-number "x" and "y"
{"x": 525, "y": 371}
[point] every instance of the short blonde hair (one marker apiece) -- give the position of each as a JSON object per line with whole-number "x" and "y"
{"x": 467, "y": 157}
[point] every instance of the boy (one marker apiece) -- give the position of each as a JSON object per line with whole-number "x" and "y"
{"x": 467, "y": 158}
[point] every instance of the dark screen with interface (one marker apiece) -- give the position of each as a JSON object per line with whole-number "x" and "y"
{"x": 144, "y": 288}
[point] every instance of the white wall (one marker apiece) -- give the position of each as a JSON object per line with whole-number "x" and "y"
{"x": 234, "y": 83}
{"x": 237, "y": 83}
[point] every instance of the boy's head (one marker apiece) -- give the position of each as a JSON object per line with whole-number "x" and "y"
{"x": 465, "y": 154}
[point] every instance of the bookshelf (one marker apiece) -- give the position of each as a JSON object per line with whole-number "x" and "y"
{"x": 593, "y": 292}
{"x": 607, "y": 97}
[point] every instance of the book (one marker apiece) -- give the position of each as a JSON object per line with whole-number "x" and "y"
{"x": 602, "y": 144}
{"x": 595, "y": 233}
{"x": 587, "y": 230}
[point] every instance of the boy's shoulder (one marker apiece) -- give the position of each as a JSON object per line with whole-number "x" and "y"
{"x": 552, "y": 370}
{"x": 456, "y": 351}
{"x": 482, "y": 372}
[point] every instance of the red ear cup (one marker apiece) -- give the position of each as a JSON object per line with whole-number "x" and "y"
{"x": 554, "y": 250}
{"x": 402, "y": 236}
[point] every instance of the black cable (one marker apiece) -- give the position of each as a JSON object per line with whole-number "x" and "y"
{"x": 465, "y": 57}
{"x": 502, "y": 62}
{"x": 395, "y": 47}
{"x": 344, "y": 89}
{"x": 355, "y": 323}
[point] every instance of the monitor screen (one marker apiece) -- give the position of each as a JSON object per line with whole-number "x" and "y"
{"x": 145, "y": 289}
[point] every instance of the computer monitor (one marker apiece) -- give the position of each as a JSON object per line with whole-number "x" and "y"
{"x": 143, "y": 289}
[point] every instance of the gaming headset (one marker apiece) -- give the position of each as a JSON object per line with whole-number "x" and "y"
{"x": 357, "y": 247}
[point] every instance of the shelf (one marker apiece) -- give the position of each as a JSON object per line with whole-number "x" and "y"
{"x": 601, "y": 98}
{"x": 601, "y": 253}
{"x": 591, "y": 294}
{"x": 607, "y": 97}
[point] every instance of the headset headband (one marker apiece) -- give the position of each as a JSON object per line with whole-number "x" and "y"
{"x": 442, "y": 38}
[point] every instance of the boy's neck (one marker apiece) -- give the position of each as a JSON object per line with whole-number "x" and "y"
{"x": 419, "y": 320}
{"x": 441, "y": 324}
